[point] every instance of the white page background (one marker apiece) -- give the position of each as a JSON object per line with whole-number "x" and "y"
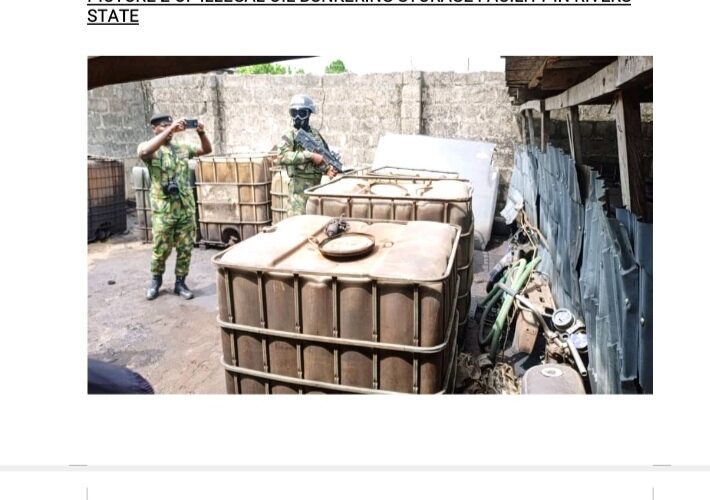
{"x": 46, "y": 416}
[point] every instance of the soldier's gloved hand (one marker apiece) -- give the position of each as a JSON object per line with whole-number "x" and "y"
{"x": 316, "y": 158}
{"x": 331, "y": 172}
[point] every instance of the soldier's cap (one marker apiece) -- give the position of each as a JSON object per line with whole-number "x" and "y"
{"x": 159, "y": 118}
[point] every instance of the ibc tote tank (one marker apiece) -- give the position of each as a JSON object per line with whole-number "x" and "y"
{"x": 294, "y": 321}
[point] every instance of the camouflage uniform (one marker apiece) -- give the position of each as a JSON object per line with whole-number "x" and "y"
{"x": 301, "y": 170}
{"x": 173, "y": 217}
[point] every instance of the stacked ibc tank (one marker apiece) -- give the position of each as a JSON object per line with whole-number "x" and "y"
{"x": 233, "y": 196}
{"x": 140, "y": 178}
{"x": 279, "y": 194}
{"x": 396, "y": 194}
{"x": 106, "y": 197}
{"x": 298, "y": 317}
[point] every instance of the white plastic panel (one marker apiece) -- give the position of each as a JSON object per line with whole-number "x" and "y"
{"x": 472, "y": 160}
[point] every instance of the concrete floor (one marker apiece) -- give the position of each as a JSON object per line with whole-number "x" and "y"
{"x": 174, "y": 343}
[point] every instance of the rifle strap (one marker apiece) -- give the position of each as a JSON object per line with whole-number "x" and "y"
{"x": 324, "y": 143}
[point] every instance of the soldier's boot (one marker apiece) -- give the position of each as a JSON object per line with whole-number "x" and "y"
{"x": 154, "y": 287}
{"x": 181, "y": 288}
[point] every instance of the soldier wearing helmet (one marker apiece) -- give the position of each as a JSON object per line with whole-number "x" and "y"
{"x": 304, "y": 167}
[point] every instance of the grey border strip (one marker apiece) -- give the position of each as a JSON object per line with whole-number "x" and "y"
{"x": 356, "y": 468}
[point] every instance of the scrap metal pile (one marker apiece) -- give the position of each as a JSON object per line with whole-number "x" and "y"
{"x": 529, "y": 345}
{"x": 596, "y": 266}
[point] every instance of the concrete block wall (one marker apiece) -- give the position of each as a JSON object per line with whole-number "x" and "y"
{"x": 472, "y": 106}
{"x": 189, "y": 96}
{"x": 117, "y": 117}
{"x": 249, "y": 113}
{"x": 353, "y": 111}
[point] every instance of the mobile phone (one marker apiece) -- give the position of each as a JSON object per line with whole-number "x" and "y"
{"x": 191, "y": 123}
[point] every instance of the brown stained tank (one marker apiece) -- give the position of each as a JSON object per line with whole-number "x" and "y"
{"x": 405, "y": 198}
{"x": 294, "y": 321}
{"x": 279, "y": 194}
{"x": 233, "y": 196}
{"x": 141, "y": 185}
{"x": 106, "y": 197}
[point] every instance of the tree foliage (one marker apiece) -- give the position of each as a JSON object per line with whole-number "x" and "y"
{"x": 336, "y": 66}
{"x": 270, "y": 69}
{"x": 262, "y": 69}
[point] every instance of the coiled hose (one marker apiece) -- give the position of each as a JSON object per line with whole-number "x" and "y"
{"x": 492, "y": 298}
{"x": 518, "y": 274}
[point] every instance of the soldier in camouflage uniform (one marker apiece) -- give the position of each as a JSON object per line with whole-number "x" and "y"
{"x": 304, "y": 167}
{"x": 171, "y": 199}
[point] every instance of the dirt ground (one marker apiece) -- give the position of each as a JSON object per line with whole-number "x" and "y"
{"x": 174, "y": 343}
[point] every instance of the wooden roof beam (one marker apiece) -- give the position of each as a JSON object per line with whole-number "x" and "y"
{"x": 608, "y": 80}
{"x": 631, "y": 67}
{"x": 568, "y": 62}
{"x": 540, "y": 72}
{"x": 522, "y": 62}
{"x": 531, "y": 105}
{"x": 561, "y": 79}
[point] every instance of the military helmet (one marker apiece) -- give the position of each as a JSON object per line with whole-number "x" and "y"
{"x": 302, "y": 101}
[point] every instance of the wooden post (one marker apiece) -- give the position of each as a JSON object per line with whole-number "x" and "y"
{"x": 531, "y": 126}
{"x": 627, "y": 109}
{"x": 544, "y": 127}
{"x": 574, "y": 134}
{"x": 575, "y": 146}
{"x": 522, "y": 127}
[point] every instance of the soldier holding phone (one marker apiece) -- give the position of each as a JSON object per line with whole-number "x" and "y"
{"x": 171, "y": 199}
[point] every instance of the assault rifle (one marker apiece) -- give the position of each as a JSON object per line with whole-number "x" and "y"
{"x": 306, "y": 141}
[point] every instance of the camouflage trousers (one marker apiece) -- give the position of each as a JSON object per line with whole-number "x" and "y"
{"x": 168, "y": 232}
{"x": 296, "y": 186}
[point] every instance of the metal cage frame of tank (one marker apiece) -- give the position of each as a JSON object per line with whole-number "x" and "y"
{"x": 239, "y": 226}
{"x": 144, "y": 212}
{"x": 106, "y": 197}
{"x": 465, "y": 270}
{"x": 448, "y": 347}
{"x": 373, "y": 172}
{"x": 282, "y": 209}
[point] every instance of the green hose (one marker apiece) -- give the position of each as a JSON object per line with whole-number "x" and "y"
{"x": 484, "y": 339}
{"x": 492, "y": 299}
{"x": 515, "y": 266}
{"x": 497, "y": 328}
